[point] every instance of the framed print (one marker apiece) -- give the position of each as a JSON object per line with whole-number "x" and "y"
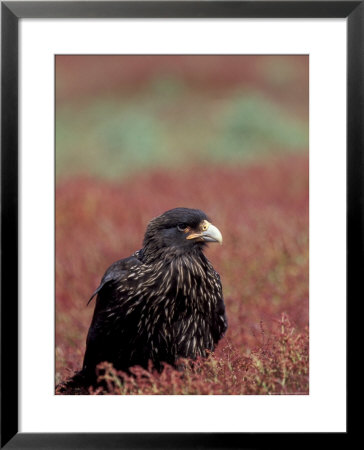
{"x": 136, "y": 136}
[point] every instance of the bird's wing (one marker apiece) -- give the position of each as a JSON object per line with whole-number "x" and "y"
{"x": 101, "y": 343}
{"x": 116, "y": 272}
{"x": 219, "y": 319}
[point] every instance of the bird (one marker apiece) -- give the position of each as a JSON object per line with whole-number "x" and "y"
{"x": 162, "y": 303}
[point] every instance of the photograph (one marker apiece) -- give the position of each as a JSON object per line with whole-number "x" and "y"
{"x": 182, "y": 224}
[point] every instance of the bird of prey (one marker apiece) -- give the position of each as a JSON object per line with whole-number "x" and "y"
{"x": 163, "y": 303}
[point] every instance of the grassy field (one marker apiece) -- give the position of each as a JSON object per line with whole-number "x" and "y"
{"x": 262, "y": 211}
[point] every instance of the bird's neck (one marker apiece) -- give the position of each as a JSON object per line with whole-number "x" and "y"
{"x": 151, "y": 255}
{"x": 181, "y": 266}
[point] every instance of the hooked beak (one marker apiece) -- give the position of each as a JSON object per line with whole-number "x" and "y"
{"x": 209, "y": 233}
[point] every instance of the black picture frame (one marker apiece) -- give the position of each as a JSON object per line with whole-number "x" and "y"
{"x": 11, "y": 12}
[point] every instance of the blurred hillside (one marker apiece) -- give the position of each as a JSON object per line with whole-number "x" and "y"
{"x": 116, "y": 115}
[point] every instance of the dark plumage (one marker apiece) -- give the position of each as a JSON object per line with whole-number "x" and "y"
{"x": 163, "y": 302}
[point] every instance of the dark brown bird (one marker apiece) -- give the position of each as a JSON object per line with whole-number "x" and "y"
{"x": 162, "y": 303}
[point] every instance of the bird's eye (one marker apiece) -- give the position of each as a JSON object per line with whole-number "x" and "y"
{"x": 181, "y": 226}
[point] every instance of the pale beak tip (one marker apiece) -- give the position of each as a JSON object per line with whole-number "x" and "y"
{"x": 212, "y": 234}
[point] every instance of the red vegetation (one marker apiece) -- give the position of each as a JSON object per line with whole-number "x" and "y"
{"x": 262, "y": 212}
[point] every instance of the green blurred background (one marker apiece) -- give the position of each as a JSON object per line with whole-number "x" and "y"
{"x": 117, "y": 115}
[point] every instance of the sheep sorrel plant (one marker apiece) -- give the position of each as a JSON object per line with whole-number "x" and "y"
{"x": 262, "y": 212}
{"x": 277, "y": 365}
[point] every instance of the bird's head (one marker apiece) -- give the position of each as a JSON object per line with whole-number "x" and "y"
{"x": 180, "y": 230}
